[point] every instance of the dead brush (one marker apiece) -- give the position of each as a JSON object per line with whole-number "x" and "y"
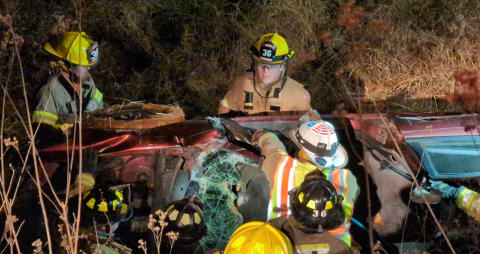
{"x": 411, "y": 63}
{"x": 157, "y": 223}
{"x": 206, "y": 44}
{"x": 467, "y": 91}
{"x": 386, "y": 73}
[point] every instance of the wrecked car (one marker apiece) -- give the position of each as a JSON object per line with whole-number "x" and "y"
{"x": 169, "y": 162}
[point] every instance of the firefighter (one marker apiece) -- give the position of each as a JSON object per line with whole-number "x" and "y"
{"x": 59, "y": 99}
{"x": 258, "y": 237}
{"x": 102, "y": 212}
{"x": 466, "y": 199}
{"x": 267, "y": 87}
{"x": 319, "y": 149}
{"x": 315, "y": 209}
{"x": 186, "y": 218}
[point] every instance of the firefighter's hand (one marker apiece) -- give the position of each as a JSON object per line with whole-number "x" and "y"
{"x": 216, "y": 123}
{"x": 83, "y": 183}
{"x": 446, "y": 190}
{"x": 232, "y": 130}
{"x": 236, "y": 132}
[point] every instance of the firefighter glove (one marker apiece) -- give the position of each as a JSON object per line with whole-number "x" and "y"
{"x": 236, "y": 132}
{"x": 446, "y": 190}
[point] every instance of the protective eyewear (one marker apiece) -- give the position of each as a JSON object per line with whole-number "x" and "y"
{"x": 267, "y": 66}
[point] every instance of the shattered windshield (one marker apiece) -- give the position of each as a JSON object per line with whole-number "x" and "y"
{"x": 215, "y": 190}
{"x": 449, "y": 156}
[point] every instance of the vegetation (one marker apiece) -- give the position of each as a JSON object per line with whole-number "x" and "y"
{"x": 187, "y": 52}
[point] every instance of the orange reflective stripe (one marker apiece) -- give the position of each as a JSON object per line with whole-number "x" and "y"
{"x": 276, "y": 175}
{"x": 336, "y": 181}
{"x": 291, "y": 177}
{"x": 273, "y": 204}
{"x": 377, "y": 219}
{"x": 338, "y": 178}
{"x": 338, "y": 231}
{"x": 342, "y": 233}
{"x": 282, "y": 182}
{"x": 284, "y": 187}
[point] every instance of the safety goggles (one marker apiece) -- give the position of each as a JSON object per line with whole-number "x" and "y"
{"x": 267, "y": 66}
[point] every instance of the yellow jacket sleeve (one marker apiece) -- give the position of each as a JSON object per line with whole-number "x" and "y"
{"x": 469, "y": 201}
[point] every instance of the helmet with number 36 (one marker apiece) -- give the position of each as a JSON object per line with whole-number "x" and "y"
{"x": 315, "y": 204}
{"x": 271, "y": 48}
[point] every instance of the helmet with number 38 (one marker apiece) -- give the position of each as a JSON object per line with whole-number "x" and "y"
{"x": 315, "y": 204}
{"x": 271, "y": 48}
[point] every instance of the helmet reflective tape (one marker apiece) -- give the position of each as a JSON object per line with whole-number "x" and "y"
{"x": 237, "y": 244}
{"x": 300, "y": 196}
{"x": 320, "y": 149}
{"x": 311, "y": 204}
{"x": 196, "y": 218}
{"x": 115, "y": 204}
{"x": 103, "y": 207}
{"x": 173, "y": 215}
{"x": 185, "y": 220}
{"x": 258, "y": 248}
{"x": 313, "y": 248}
{"x": 119, "y": 195}
{"x": 329, "y": 205}
{"x": 278, "y": 250}
{"x": 90, "y": 203}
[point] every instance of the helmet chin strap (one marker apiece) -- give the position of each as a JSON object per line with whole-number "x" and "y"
{"x": 287, "y": 66}
{"x": 302, "y": 156}
{"x": 285, "y": 72}
{"x": 65, "y": 66}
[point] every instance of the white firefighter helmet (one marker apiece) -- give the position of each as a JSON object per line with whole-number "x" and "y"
{"x": 318, "y": 141}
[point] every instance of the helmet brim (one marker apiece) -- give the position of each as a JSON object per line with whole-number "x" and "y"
{"x": 258, "y": 59}
{"x": 50, "y": 49}
{"x": 338, "y": 160}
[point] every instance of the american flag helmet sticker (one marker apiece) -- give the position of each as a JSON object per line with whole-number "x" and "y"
{"x": 320, "y": 128}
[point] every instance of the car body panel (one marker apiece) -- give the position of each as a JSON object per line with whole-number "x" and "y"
{"x": 192, "y": 157}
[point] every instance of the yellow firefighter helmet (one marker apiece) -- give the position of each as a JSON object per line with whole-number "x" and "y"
{"x": 76, "y": 48}
{"x": 271, "y": 48}
{"x": 258, "y": 237}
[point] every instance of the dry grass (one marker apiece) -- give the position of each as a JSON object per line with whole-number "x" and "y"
{"x": 417, "y": 63}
